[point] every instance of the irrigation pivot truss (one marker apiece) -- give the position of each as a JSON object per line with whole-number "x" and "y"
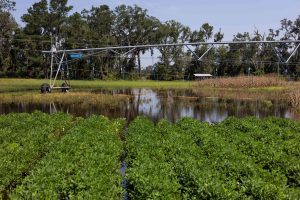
{"x": 60, "y": 60}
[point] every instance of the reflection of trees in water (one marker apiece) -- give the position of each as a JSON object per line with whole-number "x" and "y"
{"x": 214, "y": 109}
{"x": 173, "y": 105}
{"x": 240, "y": 94}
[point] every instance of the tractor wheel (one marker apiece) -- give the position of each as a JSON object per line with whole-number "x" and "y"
{"x": 45, "y": 88}
{"x": 65, "y": 87}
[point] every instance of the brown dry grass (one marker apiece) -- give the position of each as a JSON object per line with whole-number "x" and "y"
{"x": 243, "y": 82}
{"x": 294, "y": 98}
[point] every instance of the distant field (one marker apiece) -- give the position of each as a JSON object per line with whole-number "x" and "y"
{"x": 224, "y": 83}
{"x": 13, "y": 85}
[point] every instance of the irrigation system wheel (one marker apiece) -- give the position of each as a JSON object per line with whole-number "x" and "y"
{"x": 45, "y": 88}
{"x": 65, "y": 87}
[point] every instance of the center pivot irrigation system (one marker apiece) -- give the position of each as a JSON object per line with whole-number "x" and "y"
{"x": 60, "y": 59}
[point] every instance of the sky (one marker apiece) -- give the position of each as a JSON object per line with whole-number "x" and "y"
{"x": 231, "y": 16}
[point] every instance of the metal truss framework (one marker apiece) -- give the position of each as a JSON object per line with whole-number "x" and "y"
{"x": 59, "y": 58}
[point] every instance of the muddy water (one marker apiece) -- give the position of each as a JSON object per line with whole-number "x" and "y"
{"x": 170, "y": 104}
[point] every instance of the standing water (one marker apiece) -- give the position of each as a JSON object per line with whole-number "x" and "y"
{"x": 156, "y": 104}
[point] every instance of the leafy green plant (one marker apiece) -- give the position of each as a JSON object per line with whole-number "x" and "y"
{"x": 237, "y": 159}
{"x": 83, "y": 165}
{"x": 149, "y": 175}
{"x": 24, "y": 140}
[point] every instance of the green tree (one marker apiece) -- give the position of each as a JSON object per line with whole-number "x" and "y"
{"x": 290, "y": 31}
{"x": 58, "y": 13}
{"x": 134, "y": 26}
{"x": 8, "y": 27}
{"x": 37, "y": 19}
{"x": 100, "y": 21}
{"x": 173, "y": 58}
{"x": 207, "y": 64}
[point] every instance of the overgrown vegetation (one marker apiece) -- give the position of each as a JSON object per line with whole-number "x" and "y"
{"x": 242, "y": 82}
{"x": 294, "y": 98}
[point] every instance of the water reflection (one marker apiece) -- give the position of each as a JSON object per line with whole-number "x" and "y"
{"x": 169, "y": 104}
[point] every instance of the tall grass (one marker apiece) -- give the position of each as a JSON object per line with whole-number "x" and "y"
{"x": 294, "y": 98}
{"x": 243, "y": 82}
{"x": 65, "y": 98}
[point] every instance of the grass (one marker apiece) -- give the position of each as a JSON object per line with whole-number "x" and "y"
{"x": 13, "y": 85}
{"x": 253, "y": 83}
{"x": 65, "y": 98}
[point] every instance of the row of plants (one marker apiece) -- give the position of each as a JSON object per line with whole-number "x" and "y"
{"x": 273, "y": 145}
{"x": 84, "y": 164}
{"x": 57, "y": 157}
{"x": 24, "y": 140}
{"x": 149, "y": 174}
{"x": 236, "y": 159}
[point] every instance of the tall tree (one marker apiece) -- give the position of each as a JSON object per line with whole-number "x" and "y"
{"x": 100, "y": 22}
{"x": 133, "y": 25}
{"x": 206, "y": 65}
{"x": 172, "y": 57}
{"x": 37, "y": 19}
{"x": 290, "y": 31}
{"x": 8, "y": 27}
{"x": 58, "y": 13}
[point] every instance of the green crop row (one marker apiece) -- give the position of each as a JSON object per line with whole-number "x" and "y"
{"x": 236, "y": 159}
{"x": 149, "y": 174}
{"x": 24, "y": 140}
{"x": 84, "y": 164}
{"x": 54, "y": 157}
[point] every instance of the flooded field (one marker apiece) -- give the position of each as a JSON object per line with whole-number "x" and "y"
{"x": 172, "y": 104}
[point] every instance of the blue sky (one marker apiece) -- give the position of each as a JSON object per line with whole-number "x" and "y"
{"x": 231, "y": 16}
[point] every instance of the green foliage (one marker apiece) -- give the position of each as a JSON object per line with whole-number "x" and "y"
{"x": 52, "y": 157}
{"x": 8, "y": 26}
{"x": 236, "y": 159}
{"x": 24, "y": 140}
{"x": 150, "y": 176}
{"x": 83, "y": 165}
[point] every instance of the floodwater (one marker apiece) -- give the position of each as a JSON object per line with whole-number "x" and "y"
{"x": 170, "y": 104}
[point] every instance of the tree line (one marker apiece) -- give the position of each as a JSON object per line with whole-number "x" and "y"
{"x": 52, "y": 22}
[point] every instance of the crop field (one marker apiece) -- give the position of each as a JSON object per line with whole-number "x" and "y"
{"x": 58, "y": 156}
{"x": 237, "y": 159}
